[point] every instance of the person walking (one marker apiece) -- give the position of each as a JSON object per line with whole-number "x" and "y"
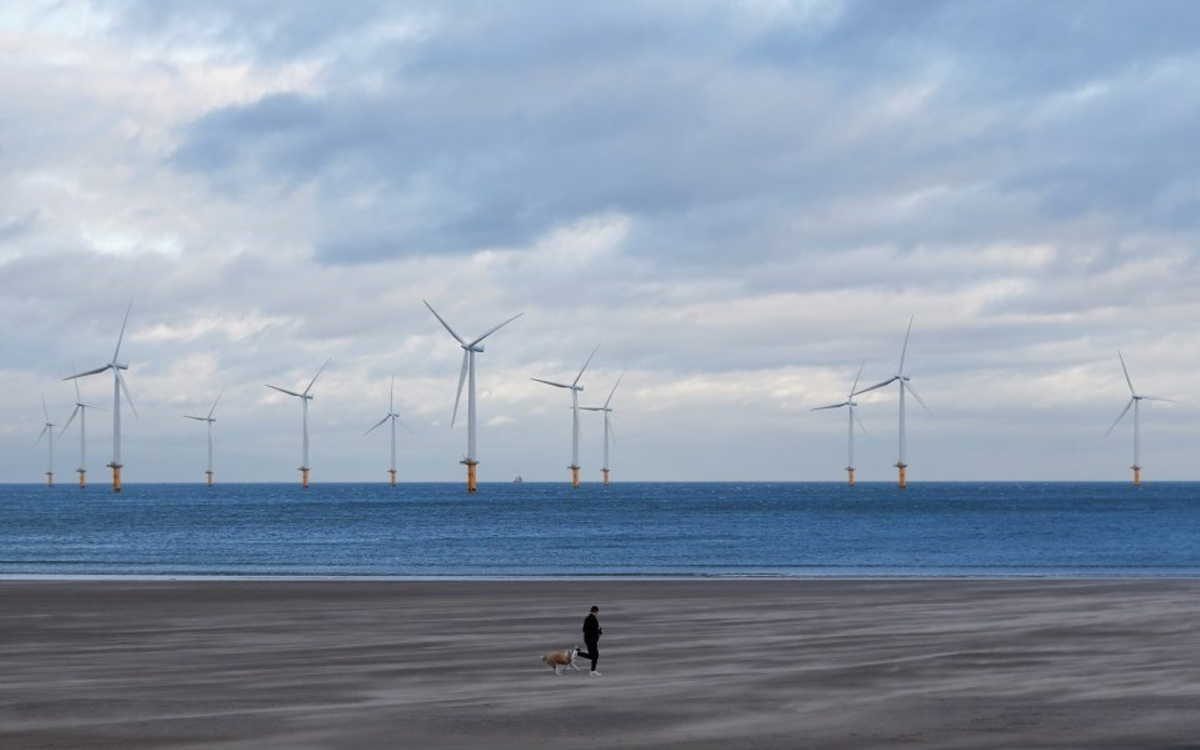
{"x": 591, "y": 638}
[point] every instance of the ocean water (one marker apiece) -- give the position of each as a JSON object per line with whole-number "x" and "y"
{"x": 628, "y": 529}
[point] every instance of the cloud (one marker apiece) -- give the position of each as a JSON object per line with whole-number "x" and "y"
{"x": 740, "y": 201}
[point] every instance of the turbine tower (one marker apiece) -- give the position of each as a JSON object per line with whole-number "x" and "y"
{"x": 1135, "y": 400}
{"x": 607, "y": 410}
{"x": 850, "y": 405}
{"x": 119, "y": 387}
{"x": 393, "y": 416}
{"x": 208, "y": 420}
{"x": 305, "y": 396}
{"x": 470, "y": 349}
{"x": 575, "y": 389}
{"x": 80, "y": 409}
{"x": 47, "y": 429}
{"x": 905, "y": 387}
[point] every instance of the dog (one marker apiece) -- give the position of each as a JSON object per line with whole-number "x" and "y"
{"x": 558, "y": 660}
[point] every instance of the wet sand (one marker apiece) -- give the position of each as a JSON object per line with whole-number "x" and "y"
{"x": 704, "y": 664}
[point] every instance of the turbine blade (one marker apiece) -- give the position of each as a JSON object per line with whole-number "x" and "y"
{"x": 462, "y": 376}
{"x": 592, "y": 408}
{"x": 45, "y": 412}
{"x": 121, "y": 337}
{"x": 904, "y": 351}
{"x": 493, "y": 330}
{"x": 313, "y": 382}
{"x": 1125, "y": 370}
{"x": 608, "y": 400}
{"x": 70, "y": 419}
{"x": 1121, "y": 416}
{"x": 41, "y": 434}
{"x": 125, "y": 390}
{"x": 856, "y": 377}
{"x": 89, "y": 372}
{"x": 586, "y": 362}
{"x": 285, "y": 390}
{"x": 861, "y": 426}
{"x": 1160, "y": 398}
{"x": 78, "y": 398}
{"x": 551, "y": 382}
{"x": 831, "y": 406}
{"x": 444, "y": 323}
{"x": 214, "y": 406}
{"x": 917, "y": 396}
{"x": 368, "y": 432}
{"x": 392, "y": 396}
{"x": 889, "y": 381}
{"x": 198, "y": 419}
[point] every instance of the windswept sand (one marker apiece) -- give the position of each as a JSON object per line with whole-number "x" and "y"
{"x": 705, "y": 664}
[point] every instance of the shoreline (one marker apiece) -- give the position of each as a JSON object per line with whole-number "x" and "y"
{"x": 598, "y": 577}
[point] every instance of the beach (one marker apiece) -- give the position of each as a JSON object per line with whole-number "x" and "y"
{"x": 791, "y": 663}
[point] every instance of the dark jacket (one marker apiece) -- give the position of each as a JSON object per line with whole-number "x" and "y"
{"x": 591, "y": 628}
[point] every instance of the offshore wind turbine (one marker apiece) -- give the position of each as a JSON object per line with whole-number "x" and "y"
{"x": 208, "y": 420}
{"x": 575, "y": 389}
{"x": 119, "y": 387}
{"x": 470, "y": 349}
{"x": 851, "y": 418}
{"x": 394, "y": 417}
{"x": 905, "y": 387}
{"x": 1135, "y": 401}
{"x": 47, "y": 429}
{"x": 607, "y": 410}
{"x": 305, "y": 396}
{"x": 80, "y": 409}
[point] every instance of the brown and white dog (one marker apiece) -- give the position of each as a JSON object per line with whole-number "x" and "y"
{"x": 557, "y": 660}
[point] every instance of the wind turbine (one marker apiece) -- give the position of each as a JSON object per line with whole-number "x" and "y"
{"x": 208, "y": 420}
{"x": 1135, "y": 400}
{"x": 393, "y": 416}
{"x": 607, "y": 410}
{"x": 80, "y": 409}
{"x": 118, "y": 387}
{"x": 850, "y": 405}
{"x": 575, "y": 389}
{"x": 47, "y": 429}
{"x": 305, "y": 396}
{"x": 905, "y": 387}
{"x": 470, "y": 349}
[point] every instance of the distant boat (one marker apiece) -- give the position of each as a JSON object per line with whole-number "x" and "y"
{"x": 517, "y": 479}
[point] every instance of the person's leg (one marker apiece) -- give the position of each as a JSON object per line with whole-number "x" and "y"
{"x": 593, "y": 653}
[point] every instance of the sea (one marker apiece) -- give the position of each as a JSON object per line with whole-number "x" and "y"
{"x": 626, "y": 530}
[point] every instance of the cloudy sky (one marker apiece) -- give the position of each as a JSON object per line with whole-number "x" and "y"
{"x": 738, "y": 201}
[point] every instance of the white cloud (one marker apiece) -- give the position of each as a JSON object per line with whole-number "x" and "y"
{"x": 739, "y": 203}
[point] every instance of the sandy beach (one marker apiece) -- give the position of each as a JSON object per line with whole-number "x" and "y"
{"x": 703, "y": 664}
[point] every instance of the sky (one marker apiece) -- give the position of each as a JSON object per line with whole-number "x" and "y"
{"x": 740, "y": 203}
